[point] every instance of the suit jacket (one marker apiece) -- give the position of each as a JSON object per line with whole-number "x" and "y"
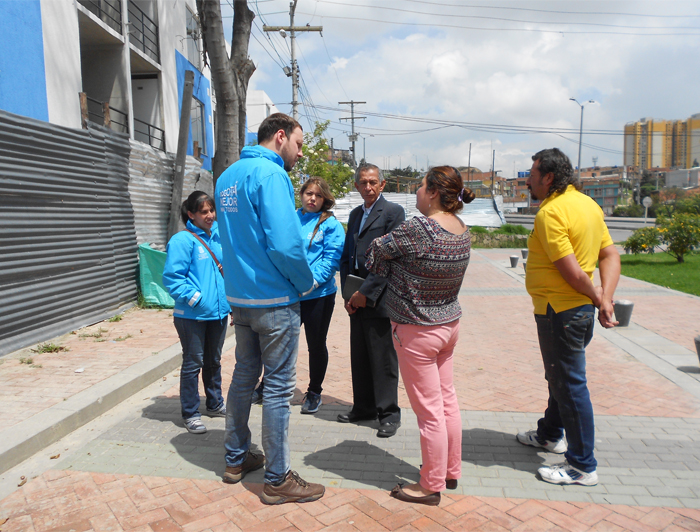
{"x": 383, "y": 219}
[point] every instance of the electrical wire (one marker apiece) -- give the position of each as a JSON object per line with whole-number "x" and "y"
{"x": 500, "y": 19}
{"x": 675, "y": 33}
{"x": 470, "y": 6}
{"x": 333, "y": 67}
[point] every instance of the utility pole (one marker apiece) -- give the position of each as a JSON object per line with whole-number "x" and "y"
{"x": 580, "y": 131}
{"x": 469, "y": 163}
{"x": 294, "y": 72}
{"x": 352, "y": 118}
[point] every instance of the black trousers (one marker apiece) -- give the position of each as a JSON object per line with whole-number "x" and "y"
{"x": 375, "y": 368}
{"x": 316, "y": 317}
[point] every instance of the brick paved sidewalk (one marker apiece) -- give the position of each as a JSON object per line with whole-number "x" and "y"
{"x": 101, "y": 351}
{"x": 147, "y": 473}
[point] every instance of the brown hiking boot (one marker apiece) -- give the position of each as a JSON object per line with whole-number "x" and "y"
{"x": 293, "y": 489}
{"x": 252, "y": 462}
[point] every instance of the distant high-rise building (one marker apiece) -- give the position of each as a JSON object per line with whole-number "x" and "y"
{"x": 653, "y": 143}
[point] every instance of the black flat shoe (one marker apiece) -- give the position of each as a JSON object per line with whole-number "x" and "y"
{"x": 354, "y": 418}
{"x": 431, "y": 500}
{"x": 387, "y": 430}
{"x": 451, "y": 483}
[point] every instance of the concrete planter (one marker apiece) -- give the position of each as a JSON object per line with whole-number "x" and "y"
{"x": 623, "y": 312}
{"x": 697, "y": 346}
{"x": 525, "y": 266}
{"x": 524, "y": 251}
{"x": 514, "y": 261}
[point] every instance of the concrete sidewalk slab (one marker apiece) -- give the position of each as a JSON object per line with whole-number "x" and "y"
{"x": 145, "y": 472}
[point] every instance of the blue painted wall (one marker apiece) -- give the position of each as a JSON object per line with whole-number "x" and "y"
{"x": 22, "y": 74}
{"x": 201, "y": 92}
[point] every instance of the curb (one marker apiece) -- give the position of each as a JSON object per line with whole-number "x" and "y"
{"x": 22, "y": 441}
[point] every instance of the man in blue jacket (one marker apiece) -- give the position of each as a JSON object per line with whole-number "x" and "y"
{"x": 266, "y": 274}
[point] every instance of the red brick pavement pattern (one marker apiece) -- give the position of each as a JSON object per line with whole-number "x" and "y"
{"x": 67, "y": 500}
{"x": 498, "y": 366}
{"x": 137, "y": 336}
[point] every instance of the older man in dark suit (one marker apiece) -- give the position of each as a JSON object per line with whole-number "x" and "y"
{"x": 375, "y": 369}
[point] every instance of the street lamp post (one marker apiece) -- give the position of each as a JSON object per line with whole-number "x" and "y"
{"x": 580, "y": 131}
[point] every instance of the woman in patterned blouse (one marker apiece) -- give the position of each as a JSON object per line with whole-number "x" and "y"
{"x": 424, "y": 260}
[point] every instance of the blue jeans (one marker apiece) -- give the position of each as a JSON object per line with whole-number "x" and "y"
{"x": 201, "y": 349}
{"x": 563, "y": 339}
{"x": 269, "y": 338}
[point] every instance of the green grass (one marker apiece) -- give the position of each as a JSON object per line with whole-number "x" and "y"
{"x": 664, "y": 270}
{"x": 114, "y": 319}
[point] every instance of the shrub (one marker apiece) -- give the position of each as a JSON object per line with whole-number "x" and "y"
{"x": 680, "y": 233}
{"x": 643, "y": 240}
{"x": 510, "y": 229}
{"x": 631, "y": 211}
{"x": 478, "y": 230}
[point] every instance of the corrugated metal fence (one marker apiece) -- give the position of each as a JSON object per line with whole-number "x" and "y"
{"x": 67, "y": 238}
{"x": 151, "y": 187}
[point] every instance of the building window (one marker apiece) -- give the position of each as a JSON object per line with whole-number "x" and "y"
{"x": 192, "y": 41}
{"x": 197, "y": 120}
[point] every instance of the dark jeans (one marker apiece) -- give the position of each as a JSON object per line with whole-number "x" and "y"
{"x": 201, "y": 349}
{"x": 316, "y": 316}
{"x": 563, "y": 339}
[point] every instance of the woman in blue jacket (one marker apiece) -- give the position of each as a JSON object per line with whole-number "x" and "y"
{"x": 195, "y": 282}
{"x": 324, "y": 238}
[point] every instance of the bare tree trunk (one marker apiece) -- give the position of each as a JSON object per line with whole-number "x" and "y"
{"x": 229, "y": 75}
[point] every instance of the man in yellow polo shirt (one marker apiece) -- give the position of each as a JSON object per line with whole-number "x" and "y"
{"x": 569, "y": 237}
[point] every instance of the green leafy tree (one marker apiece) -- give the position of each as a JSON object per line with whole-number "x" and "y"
{"x": 317, "y": 162}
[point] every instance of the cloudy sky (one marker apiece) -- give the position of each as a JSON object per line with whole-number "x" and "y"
{"x": 438, "y": 75}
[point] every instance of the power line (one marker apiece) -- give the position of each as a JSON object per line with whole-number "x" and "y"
{"x": 333, "y": 66}
{"x": 549, "y": 10}
{"x": 675, "y": 33}
{"x": 500, "y": 19}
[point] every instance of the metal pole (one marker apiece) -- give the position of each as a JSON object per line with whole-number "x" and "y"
{"x": 580, "y": 139}
{"x": 469, "y": 163}
{"x": 295, "y": 74}
{"x": 580, "y": 132}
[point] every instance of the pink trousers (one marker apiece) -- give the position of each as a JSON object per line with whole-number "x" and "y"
{"x": 425, "y": 362}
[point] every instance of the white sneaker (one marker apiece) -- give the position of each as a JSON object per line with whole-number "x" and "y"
{"x": 533, "y": 440}
{"x": 567, "y": 474}
{"x": 195, "y": 425}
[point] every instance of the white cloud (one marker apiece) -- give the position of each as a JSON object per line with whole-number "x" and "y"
{"x": 517, "y": 78}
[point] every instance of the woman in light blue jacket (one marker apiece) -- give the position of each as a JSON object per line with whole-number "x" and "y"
{"x": 192, "y": 275}
{"x": 324, "y": 237}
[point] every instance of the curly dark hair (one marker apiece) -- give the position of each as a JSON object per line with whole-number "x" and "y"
{"x": 555, "y": 161}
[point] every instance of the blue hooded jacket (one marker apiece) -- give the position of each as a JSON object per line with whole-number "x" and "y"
{"x": 192, "y": 277}
{"x": 264, "y": 256}
{"x": 324, "y": 252}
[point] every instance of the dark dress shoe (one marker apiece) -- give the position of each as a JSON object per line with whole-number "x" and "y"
{"x": 350, "y": 417}
{"x": 451, "y": 483}
{"x": 431, "y": 500}
{"x": 387, "y": 430}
